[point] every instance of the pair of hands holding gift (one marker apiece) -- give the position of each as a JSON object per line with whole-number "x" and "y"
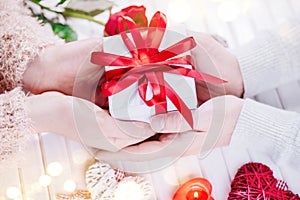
{"x": 214, "y": 120}
{"x": 66, "y": 69}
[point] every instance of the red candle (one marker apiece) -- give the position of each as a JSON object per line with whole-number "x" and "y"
{"x": 194, "y": 189}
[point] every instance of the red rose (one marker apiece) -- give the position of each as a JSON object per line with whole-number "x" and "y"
{"x": 137, "y": 13}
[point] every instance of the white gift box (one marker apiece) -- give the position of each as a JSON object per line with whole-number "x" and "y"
{"x": 127, "y": 104}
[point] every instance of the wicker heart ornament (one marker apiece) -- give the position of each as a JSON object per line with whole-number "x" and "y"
{"x": 106, "y": 183}
{"x": 255, "y": 181}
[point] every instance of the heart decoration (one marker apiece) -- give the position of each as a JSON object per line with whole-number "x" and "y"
{"x": 103, "y": 181}
{"x": 255, "y": 181}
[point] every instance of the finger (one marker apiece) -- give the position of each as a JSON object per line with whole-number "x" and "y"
{"x": 123, "y": 129}
{"x": 87, "y": 126}
{"x": 96, "y": 128}
{"x": 173, "y": 122}
{"x": 170, "y": 145}
{"x": 207, "y": 41}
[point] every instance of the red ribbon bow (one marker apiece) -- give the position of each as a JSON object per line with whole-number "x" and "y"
{"x": 148, "y": 65}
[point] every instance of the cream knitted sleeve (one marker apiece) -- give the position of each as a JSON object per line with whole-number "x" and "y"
{"x": 21, "y": 38}
{"x": 14, "y": 124}
{"x": 268, "y": 129}
{"x": 271, "y": 59}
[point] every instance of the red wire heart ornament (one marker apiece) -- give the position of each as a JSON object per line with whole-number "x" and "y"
{"x": 255, "y": 181}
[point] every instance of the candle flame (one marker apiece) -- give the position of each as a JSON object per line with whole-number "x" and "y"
{"x": 196, "y": 195}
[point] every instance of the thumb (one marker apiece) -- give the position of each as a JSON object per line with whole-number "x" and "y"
{"x": 173, "y": 122}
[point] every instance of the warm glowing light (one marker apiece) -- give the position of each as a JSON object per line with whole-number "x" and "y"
{"x": 228, "y": 11}
{"x": 179, "y": 11}
{"x": 129, "y": 190}
{"x": 54, "y": 169}
{"x": 196, "y": 195}
{"x": 13, "y": 193}
{"x": 45, "y": 180}
{"x": 69, "y": 185}
{"x": 80, "y": 157}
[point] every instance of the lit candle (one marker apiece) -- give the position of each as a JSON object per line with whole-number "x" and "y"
{"x": 194, "y": 189}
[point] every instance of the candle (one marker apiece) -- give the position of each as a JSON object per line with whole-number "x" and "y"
{"x": 194, "y": 189}
{"x": 196, "y": 194}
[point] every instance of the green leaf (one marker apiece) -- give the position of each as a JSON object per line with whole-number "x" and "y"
{"x": 61, "y": 2}
{"x": 36, "y": 1}
{"x": 64, "y": 31}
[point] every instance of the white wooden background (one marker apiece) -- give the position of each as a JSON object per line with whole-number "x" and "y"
{"x": 219, "y": 167}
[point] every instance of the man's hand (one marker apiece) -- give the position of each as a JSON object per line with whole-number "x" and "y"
{"x": 213, "y": 58}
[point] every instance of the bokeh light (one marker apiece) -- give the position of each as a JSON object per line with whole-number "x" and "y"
{"x": 13, "y": 193}
{"x": 228, "y": 11}
{"x": 179, "y": 11}
{"x": 54, "y": 169}
{"x": 129, "y": 190}
{"x": 69, "y": 185}
{"x": 45, "y": 180}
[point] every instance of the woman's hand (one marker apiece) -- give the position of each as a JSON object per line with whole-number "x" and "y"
{"x": 214, "y": 121}
{"x": 213, "y": 58}
{"x": 83, "y": 121}
{"x": 66, "y": 68}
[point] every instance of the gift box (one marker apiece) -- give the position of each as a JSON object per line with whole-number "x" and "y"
{"x": 150, "y": 71}
{"x": 128, "y": 104}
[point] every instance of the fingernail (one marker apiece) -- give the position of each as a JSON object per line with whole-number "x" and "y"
{"x": 158, "y": 123}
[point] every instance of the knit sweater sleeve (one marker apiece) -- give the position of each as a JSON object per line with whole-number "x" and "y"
{"x": 271, "y": 59}
{"x": 21, "y": 38}
{"x": 15, "y": 125}
{"x": 269, "y": 129}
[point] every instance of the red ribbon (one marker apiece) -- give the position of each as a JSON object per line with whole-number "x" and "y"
{"x": 148, "y": 65}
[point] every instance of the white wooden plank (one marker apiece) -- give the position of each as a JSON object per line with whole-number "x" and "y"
{"x": 187, "y": 168}
{"x": 261, "y": 15}
{"x": 215, "y": 170}
{"x": 9, "y": 179}
{"x": 234, "y": 159}
{"x": 165, "y": 182}
{"x": 266, "y": 159}
{"x": 55, "y": 150}
{"x": 197, "y": 21}
{"x": 216, "y": 25}
{"x": 31, "y": 169}
{"x": 295, "y": 4}
{"x": 243, "y": 30}
{"x": 280, "y": 11}
{"x": 79, "y": 157}
{"x": 290, "y": 171}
